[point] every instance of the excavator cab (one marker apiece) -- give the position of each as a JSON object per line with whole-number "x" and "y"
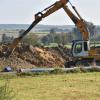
{"x": 80, "y": 48}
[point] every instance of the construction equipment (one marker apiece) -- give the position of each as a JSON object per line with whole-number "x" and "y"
{"x": 81, "y": 50}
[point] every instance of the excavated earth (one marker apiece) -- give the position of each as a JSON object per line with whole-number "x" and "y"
{"x": 27, "y": 56}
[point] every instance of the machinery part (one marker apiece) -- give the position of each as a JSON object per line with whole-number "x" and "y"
{"x": 80, "y": 62}
{"x": 69, "y": 64}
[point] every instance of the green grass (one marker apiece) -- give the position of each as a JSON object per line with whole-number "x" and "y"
{"x": 68, "y": 46}
{"x": 56, "y": 45}
{"x": 76, "y": 86}
{"x": 52, "y": 45}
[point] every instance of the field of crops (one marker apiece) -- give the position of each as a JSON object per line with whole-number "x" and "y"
{"x": 73, "y": 86}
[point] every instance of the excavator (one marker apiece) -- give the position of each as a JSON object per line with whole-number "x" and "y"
{"x": 81, "y": 50}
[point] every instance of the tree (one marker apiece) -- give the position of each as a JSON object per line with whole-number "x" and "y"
{"x": 31, "y": 39}
{"x": 52, "y": 35}
{"x": 21, "y": 31}
{"x": 45, "y": 40}
{"x": 91, "y": 28}
{"x": 6, "y": 39}
{"x": 77, "y": 35}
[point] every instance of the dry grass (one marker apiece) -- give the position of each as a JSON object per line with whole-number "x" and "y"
{"x": 77, "y": 86}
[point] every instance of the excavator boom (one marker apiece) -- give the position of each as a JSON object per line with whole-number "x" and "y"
{"x": 78, "y": 21}
{"x": 38, "y": 17}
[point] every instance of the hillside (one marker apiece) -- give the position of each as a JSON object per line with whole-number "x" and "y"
{"x": 38, "y": 28}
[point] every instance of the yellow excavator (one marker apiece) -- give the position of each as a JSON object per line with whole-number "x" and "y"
{"x": 81, "y": 51}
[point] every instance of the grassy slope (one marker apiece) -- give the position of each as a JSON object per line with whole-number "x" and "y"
{"x": 80, "y": 86}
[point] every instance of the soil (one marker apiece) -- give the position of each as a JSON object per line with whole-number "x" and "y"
{"x": 27, "y": 56}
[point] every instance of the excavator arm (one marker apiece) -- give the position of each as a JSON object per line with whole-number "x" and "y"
{"x": 38, "y": 17}
{"x": 78, "y": 21}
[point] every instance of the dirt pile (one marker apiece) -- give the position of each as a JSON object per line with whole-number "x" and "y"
{"x": 26, "y": 56}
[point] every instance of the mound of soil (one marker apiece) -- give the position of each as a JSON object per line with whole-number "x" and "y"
{"x": 27, "y": 56}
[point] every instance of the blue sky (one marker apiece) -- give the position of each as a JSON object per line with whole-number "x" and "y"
{"x": 22, "y": 11}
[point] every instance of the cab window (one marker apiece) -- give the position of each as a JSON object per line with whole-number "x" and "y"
{"x": 85, "y": 46}
{"x": 78, "y": 48}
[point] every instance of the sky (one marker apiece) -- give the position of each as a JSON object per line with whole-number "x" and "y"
{"x": 22, "y": 11}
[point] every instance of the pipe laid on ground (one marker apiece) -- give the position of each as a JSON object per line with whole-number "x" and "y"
{"x": 63, "y": 69}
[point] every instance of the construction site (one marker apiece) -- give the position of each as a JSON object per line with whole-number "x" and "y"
{"x": 21, "y": 55}
{"x": 52, "y": 60}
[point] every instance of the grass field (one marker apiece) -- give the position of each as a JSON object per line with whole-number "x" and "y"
{"x": 76, "y": 86}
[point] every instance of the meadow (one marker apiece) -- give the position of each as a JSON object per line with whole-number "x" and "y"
{"x": 70, "y": 86}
